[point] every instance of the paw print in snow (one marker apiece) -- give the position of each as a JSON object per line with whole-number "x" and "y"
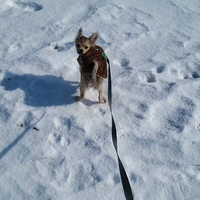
{"x": 28, "y": 6}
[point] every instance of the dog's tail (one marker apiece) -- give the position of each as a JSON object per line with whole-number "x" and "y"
{"x": 94, "y": 72}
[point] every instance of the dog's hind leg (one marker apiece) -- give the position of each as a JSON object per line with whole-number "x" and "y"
{"x": 82, "y": 92}
{"x": 101, "y": 100}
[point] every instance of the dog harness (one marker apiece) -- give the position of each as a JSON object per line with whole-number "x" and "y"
{"x": 87, "y": 64}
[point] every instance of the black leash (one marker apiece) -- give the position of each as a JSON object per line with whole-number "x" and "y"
{"x": 124, "y": 177}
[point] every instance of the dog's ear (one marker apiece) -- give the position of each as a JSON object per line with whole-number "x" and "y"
{"x": 80, "y": 32}
{"x": 93, "y": 38}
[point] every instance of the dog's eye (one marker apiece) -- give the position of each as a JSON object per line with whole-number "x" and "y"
{"x": 86, "y": 47}
{"x": 78, "y": 45}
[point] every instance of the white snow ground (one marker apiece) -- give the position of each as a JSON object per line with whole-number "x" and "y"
{"x": 53, "y": 148}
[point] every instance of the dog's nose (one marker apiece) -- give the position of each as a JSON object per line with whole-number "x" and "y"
{"x": 80, "y": 51}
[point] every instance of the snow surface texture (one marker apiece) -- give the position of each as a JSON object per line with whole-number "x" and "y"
{"x": 52, "y": 147}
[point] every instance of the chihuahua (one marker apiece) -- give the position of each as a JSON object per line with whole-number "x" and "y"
{"x": 93, "y": 67}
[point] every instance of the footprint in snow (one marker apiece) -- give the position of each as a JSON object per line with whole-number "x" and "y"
{"x": 92, "y": 146}
{"x": 57, "y": 138}
{"x": 147, "y": 76}
{"x": 125, "y": 64}
{"x": 85, "y": 175}
{"x": 28, "y": 6}
{"x": 181, "y": 115}
{"x": 160, "y": 69}
{"x": 195, "y": 75}
{"x": 151, "y": 78}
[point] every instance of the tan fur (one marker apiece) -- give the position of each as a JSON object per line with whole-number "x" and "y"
{"x": 83, "y": 44}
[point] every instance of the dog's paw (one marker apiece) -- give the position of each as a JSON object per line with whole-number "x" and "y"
{"x": 78, "y": 98}
{"x": 102, "y": 101}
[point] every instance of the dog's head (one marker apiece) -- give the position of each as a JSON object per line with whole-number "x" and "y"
{"x": 83, "y": 43}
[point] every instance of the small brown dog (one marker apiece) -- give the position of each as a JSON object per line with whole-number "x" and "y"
{"x": 93, "y": 67}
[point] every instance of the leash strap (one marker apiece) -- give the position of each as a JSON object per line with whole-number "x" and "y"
{"x": 124, "y": 177}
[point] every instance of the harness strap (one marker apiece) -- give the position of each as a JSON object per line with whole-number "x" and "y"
{"x": 124, "y": 177}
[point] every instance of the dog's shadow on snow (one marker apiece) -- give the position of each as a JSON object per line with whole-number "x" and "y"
{"x": 41, "y": 91}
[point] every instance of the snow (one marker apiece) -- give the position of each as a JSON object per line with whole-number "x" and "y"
{"x": 53, "y": 147}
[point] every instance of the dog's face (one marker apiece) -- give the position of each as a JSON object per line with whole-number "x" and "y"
{"x": 83, "y": 43}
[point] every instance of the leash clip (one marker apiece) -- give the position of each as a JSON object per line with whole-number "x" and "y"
{"x": 104, "y": 55}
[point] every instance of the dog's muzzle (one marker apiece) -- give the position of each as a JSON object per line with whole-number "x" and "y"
{"x": 80, "y": 51}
